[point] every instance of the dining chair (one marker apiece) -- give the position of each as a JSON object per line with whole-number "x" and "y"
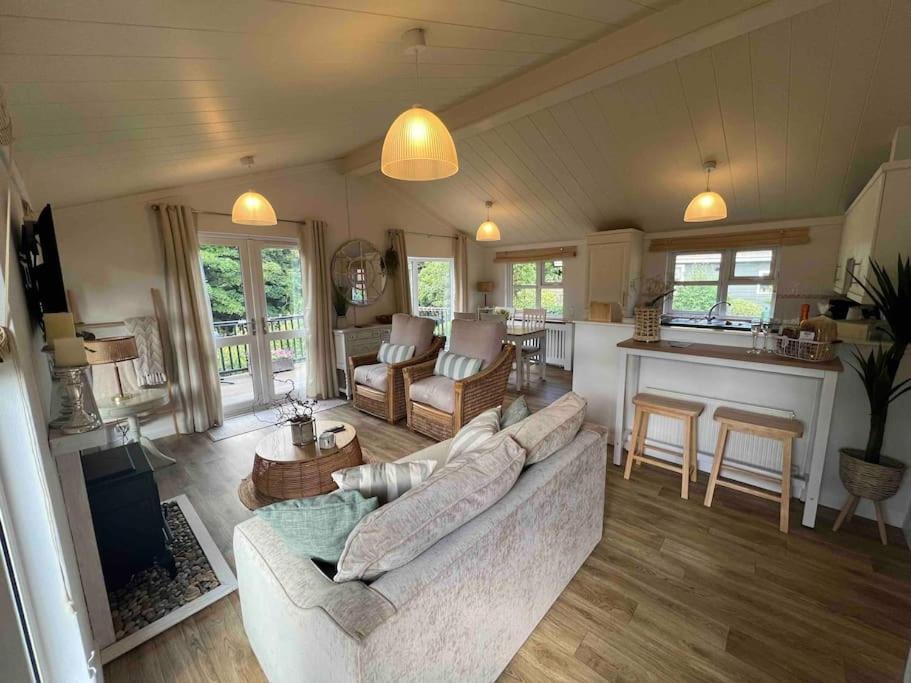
{"x": 532, "y": 349}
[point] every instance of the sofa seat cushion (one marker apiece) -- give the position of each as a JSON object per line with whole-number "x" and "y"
{"x": 396, "y": 533}
{"x": 435, "y": 391}
{"x": 375, "y": 376}
{"x": 478, "y": 339}
{"x": 410, "y": 330}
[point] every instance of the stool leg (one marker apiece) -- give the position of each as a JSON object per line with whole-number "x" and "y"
{"x": 633, "y": 441}
{"x": 847, "y": 511}
{"x": 716, "y": 464}
{"x": 687, "y": 457}
{"x": 783, "y": 521}
{"x": 694, "y": 453}
{"x": 643, "y": 433}
{"x": 880, "y": 522}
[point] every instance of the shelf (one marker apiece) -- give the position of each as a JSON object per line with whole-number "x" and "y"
{"x": 73, "y": 443}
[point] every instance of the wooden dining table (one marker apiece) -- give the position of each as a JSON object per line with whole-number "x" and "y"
{"x": 519, "y": 334}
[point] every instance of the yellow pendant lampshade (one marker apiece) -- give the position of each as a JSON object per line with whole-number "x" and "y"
{"x": 251, "y": 208}
{"x": 418, "y": 146}
{"x": 708, "y": 205}
{"x": 488, "y": 231}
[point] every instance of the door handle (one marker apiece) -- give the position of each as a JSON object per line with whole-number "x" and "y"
{"x": 265, "y": 325}
{"x": 253, "y": 326}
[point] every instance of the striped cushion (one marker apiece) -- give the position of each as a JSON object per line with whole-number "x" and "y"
{"x": 384, "y": 480}
{"x": 454, "y": 366}
{"x": 475, "y": 432}
{"x": 394, "y": 353}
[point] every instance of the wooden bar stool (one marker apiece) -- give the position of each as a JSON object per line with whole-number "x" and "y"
{"x": 780, "y": 429}
{"x": 687, "y": 411}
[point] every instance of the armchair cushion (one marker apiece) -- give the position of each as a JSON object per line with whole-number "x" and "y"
{"x": 478, "y": 339}
{"x": 394, "y": 353}
{"x": 374, "y": 376}
{"x": 436, "y": 391}
{"x": 409, "y": 330}
{"x": 454, "y": 366}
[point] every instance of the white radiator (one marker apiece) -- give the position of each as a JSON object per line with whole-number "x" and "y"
{"x": 560, "y": 344}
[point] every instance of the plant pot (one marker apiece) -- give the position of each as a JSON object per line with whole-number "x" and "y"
{"x": 302, "y": 433}
{"x": 875, "y": 482}
{"x": 282, "y": 364}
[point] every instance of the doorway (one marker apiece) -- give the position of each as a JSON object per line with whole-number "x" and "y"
{"x": 255, "y": 292}
{"x": 432, "y": 290}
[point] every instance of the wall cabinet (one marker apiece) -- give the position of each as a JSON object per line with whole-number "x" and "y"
{"x": 614, "y": 263}
{"x": 877, "y": 225}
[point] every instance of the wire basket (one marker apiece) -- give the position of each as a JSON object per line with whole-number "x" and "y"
{"x": 804, "y": 349}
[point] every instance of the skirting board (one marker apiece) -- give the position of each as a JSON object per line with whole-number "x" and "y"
{"x": 226, "y": 578}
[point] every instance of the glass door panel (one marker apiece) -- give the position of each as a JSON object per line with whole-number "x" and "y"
{"x": 432, "y": 290}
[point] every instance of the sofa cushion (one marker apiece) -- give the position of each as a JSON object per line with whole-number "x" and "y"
{"x": 478, "y": 339}
{"x": 454, "y": 366}
{"x": 375, "y": 376}
{"x": 410, "y": 330}
{"x": 435, "y": 391}
{"x": 394, "y": 353}
{"x": 384, "y": 480}
{"x": 545, "y": 432}
{"x": 514, "y": 412}
{"x": 317, "y": 527}
{"x": 398, "y": 532}
{"x": 476, "y": 432}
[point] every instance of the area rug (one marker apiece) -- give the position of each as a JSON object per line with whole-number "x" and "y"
{"x": 261, "y": 419}
{"x": 152, "y": 601}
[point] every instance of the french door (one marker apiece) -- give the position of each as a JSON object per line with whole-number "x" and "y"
{"x": 256, "y": 297}
{"x": 432, "y": 290}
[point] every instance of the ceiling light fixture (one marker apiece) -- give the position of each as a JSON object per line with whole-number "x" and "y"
{"x": 251, "y": 208}
{"x": 488, "y": 231}
{"x": 418, "y": 146}
{"x": 708, "y": 205}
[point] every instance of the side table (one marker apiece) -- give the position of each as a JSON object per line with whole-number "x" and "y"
{"x": 143, "y": 401}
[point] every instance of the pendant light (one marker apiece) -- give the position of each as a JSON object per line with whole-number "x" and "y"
{"x": 708, "y": 205}
{"x": 418, "y": 145}
{"x": 251, "y": 208}
{"x": 488, "y": 231}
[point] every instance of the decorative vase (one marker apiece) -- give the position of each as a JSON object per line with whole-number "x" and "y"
{"x": 648, "y": 324}
{"x": 869, "y": 480}
{"x": 302, "y": 433}
{"x": 83, "y": 415}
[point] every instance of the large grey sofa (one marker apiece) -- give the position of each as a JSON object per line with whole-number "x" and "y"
{"x": 458, "y": 612}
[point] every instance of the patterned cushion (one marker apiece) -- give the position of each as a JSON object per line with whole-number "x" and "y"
{"x": 476, "y": 432}
{"x": 375, "y": 376}
{"x": 456, "y": 493}
{"x": 394, "y": 353}
{"x": 411, "y": 330}
{"x": 454, "y": 366}
{"x": 436, "y": 391}
{"x": 317, "y": 527}
{"x": 384, "y": 480}
{"x": 514, "y": 412}
{"x": 545, "y": 432}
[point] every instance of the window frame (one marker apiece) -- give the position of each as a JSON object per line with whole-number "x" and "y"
{"x": 539, "y": 285}
{"x": 413, "y": 268}
{"x": 726, "y": 278}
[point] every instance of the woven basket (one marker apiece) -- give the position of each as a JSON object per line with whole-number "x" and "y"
{"x": 648, "y": 325}
{"x": 868, "y": 480}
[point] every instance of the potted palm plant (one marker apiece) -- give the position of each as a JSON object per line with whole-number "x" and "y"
{"x": 867, "y": 473}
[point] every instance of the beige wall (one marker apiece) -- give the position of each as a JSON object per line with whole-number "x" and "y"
{"x": 111, "y": 251}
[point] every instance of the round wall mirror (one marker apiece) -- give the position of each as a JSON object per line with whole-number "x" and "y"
{"x": 358, "y": 272}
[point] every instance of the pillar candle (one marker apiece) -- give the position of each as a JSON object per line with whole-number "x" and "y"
{"x": 69, "y": 352}
{"x": 57, "y": 325}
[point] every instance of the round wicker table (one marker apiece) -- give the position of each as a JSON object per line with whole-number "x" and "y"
{"x": 282, "y": 471}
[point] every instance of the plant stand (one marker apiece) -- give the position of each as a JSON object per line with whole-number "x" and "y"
{"x": 847, "y": 512}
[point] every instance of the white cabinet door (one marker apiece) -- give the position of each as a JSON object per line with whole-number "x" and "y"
{"x": 858, "y": 236}
{"x": 608, "y": 275}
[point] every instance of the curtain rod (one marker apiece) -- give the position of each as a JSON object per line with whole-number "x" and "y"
{"x": 199, "y": 212}
{"x": 429, "y": 234}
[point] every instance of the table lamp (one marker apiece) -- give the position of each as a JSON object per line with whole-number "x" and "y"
{"x": 485, "y": 287}
{"x": 113, "y": 350}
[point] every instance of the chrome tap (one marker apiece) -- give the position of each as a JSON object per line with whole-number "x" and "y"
{"x": 708, "y": 316}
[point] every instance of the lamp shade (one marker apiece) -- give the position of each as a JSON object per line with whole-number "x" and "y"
{"x": 485, "y": 286}
{"x": 418, "y": 146}
{"x": 706, "y": 206}
{"x": 111, "y": 350}
{"x": 488, "y": 231}
{"x": 251, "y": 208}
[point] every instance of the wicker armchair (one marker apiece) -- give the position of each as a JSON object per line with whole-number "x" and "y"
{"x": 473, "y": 395}
{"x": 388, "y": 405}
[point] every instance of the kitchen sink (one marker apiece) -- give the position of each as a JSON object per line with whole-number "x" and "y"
{"x": 703, "y": 324}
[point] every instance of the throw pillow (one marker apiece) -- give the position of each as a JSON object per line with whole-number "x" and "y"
{"x": 454, "y": 366}
{"x": 457, "y": 493}
{"x": 318, "y": 527}
{"x": 551, "y": 428}
{"x": 385, "y": 480}
{"x": 476, "y": 432}
{"x": 514, "y": 412}
{"x": 390, "y": 354}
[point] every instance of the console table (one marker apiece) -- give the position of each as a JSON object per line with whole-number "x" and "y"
{"x": 353, "y": 341}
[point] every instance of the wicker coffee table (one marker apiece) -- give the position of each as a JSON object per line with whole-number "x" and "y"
{"x": 282, "y": 471}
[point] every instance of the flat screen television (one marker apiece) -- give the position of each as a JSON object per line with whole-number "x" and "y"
{"x": 40, "y": 263}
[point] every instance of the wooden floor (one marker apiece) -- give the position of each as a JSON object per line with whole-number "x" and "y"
{"x": 674, "y": 591}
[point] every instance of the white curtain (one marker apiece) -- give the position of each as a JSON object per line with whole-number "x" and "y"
{"x": 400, "y": 280}
{"x": 461, "y": 272}
{"x": 189, "y": 323}
{"x": 322, "y": 381}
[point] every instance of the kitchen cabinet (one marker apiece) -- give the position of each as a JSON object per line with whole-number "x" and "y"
{"x": 614, "y": 263}
{"x": 877, "y": 225}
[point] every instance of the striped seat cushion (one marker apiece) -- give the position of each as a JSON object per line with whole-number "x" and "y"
{"x": 384, "y": 480}
{"x": 476, "y": 432}
{"x": 454, "y": 366}
{"x": 394, "y": 353}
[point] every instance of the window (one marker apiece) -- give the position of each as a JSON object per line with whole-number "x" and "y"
{"x": 745, "y": 279}
{"x": 432, "y": 290}
{"x": 537, "y": 285}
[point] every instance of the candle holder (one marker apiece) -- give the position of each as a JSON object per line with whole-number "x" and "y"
{"x": 83, "y": 411}
{"x": 60, "y": 400}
